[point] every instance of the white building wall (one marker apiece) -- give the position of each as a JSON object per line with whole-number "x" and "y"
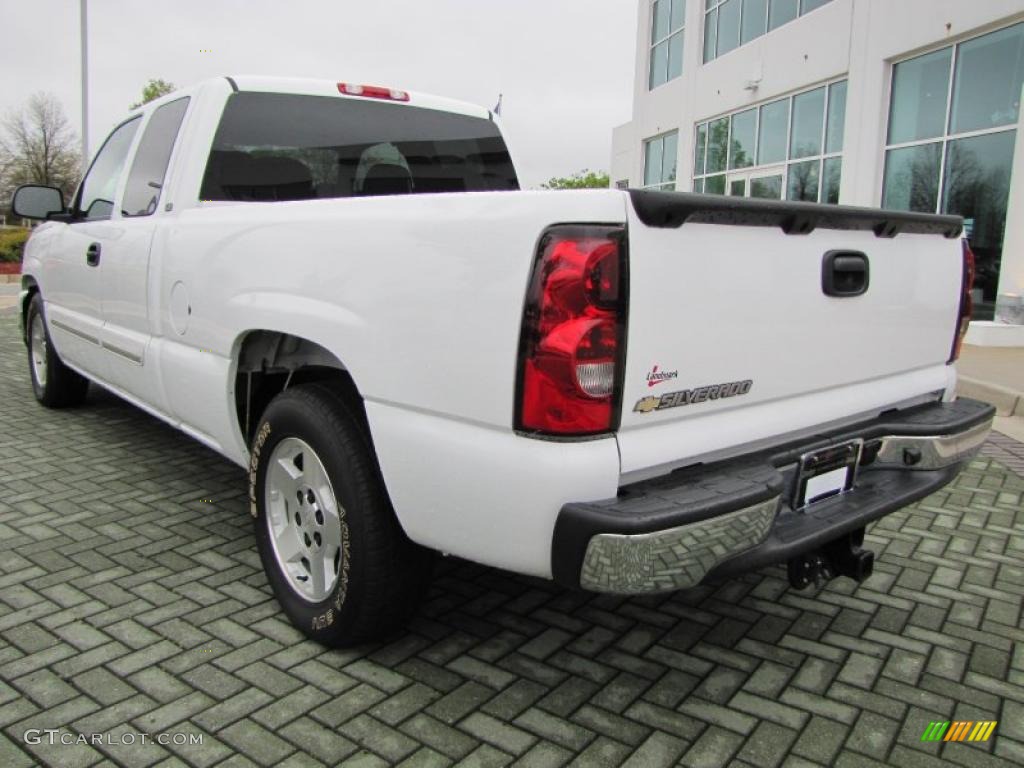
{"x": 860, "y": 39}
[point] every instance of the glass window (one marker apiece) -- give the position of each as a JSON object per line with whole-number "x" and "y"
{"x": 731, "y": 23}
{"x": 767, "y": 187}
{"x": 988, "y": 80}
{"x": 755, "y": 15}
{"x": 772, "y": 132}
{"x": 669, "y": 159}
{"x": 660, "y": 161}
{"x": 698, "y": 185}
{"x": 279, "y": 146}
{"x": 96, "y": 196}
{"x": 718, "y": 145}
{"x": 678, "y": 14}
{"x": 710, "y": 35}
{"x": 675, "y": 56}
{"x": 146, "y": 177}
{"x": 759, "y": 138}
{"x": 803, "y": 181}
{"x": 944, "y": 169}
{"x": 741, "y": 143}
{"x": 660, "y": 20}
{"x": 659, "y": 65}
{"x": 728, "y": 26}
{"x": 806, "y": 6}
{"x": 652, "y": 162}
{"x": 830, "y": 179}
{"x": 700, "y": 149}
{"x": 836, "y": 117}
{"x": 715, "y": 185}
{"x": 920, "y": 88}
{"x": 977, "y": 187}
{"x": 912, "y": 178}
{"x": 808, "y": 113}
{"x": 666, "y": 63}
{"x": 782, "y": 12}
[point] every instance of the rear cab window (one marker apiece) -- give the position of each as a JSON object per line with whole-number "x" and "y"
{"x": 272, "y": 146}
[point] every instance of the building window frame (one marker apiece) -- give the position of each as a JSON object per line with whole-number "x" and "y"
{"x": 663, "y": 183}
{"x": 989, "y": 253}
{"x": 672, "y": 35}
{"x": 700, "y": 176}
{"x": 712, "y": 12}
{"x": 943, "y": 140}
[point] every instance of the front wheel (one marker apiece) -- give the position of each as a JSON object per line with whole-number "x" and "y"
{"x": 334, "y": 553}
{"x": 53, "y": 383}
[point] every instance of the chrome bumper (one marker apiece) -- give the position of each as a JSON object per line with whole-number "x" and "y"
{"x": 675, "y": 558}
{"x": 932, "y": 452}
{"x": 680, "y": 557}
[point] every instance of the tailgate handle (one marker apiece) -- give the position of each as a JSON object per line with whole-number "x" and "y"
{"x": 845, "y": 273}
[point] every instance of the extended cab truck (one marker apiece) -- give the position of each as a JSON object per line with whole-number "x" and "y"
{"x": 340, "y": 289}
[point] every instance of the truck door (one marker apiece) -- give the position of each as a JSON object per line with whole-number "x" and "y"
{"x": 71, "y": 278}
{"x": 124, "y": 264}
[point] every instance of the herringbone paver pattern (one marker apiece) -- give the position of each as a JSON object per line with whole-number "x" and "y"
{"x": 132, "y": 601}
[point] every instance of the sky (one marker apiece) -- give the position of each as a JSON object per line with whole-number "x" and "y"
{"x": 565, "y": 67}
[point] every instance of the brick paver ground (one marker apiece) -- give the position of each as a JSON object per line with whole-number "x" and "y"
{"x": 132, "y": 601}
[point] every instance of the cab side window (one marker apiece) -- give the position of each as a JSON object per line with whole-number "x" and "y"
{"x": 146, "y": 178}
{"x": 96, "y": 197}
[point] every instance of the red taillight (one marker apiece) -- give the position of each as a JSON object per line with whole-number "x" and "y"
{"x": 963, "y": 321}
{"x": 573, "y": 338}
{"x": 373, "y": 92}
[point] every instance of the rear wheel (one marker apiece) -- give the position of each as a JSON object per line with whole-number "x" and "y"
{"x": 334, "y": 553}
{"x": 54, "y": 384}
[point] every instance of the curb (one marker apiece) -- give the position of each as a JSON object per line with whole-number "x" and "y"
{"x": 1007, "y": 401}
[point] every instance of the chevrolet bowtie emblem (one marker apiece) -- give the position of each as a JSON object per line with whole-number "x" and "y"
{"x": 646, "y": 404}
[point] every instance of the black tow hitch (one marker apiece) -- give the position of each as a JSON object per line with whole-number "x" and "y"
{"x": 841, "y": 557}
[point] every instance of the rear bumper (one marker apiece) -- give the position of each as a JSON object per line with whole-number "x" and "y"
{"x": 717, "y": 521}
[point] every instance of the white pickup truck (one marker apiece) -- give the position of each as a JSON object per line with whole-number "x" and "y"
{"x": 339, "y": 288}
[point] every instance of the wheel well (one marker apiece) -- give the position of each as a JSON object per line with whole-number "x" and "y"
{"x": 269, "y": 362}
{"x": 30, "y": 285}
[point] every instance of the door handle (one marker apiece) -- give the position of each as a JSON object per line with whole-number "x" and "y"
{"x": 845, "y": 273}
{"x": 92, "y": 255}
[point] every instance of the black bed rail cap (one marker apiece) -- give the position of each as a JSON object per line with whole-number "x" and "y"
{"x": 673, "y": 209}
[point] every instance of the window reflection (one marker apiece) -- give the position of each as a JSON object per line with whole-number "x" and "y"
{"x": 912, "y": 178}
{"x": 796, "y": 157}
{"x": 660, "y": 161}
{"x": 741, "y": 144}
{"x": 803, "y": 182}
{"x": 774, "y": 127}
{"x": 977, "y": 187}
{"x": 808, "y": 111}
{"x": 919, "y": 91}
{"x": 987, "y": 72}
{"x": 988, "y": 80}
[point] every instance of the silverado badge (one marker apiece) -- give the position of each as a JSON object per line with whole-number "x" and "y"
{"x": 692, "y": 396}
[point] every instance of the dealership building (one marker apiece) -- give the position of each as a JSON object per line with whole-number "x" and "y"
{"x": 910, "y": 105}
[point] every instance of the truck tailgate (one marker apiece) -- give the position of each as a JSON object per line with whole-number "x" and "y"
{"x": 732, "y": 338}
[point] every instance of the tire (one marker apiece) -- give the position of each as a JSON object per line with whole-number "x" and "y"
{"x": 54, "y": 384}
{"x": 310, "y": 455}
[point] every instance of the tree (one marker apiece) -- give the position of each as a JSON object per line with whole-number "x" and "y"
{"x": 585, "y": 179}
{"x": 154, "y": 89}
{"x": 38, "y": 146}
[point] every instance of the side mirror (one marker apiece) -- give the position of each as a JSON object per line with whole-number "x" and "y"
{"x": 34, "y": 201}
